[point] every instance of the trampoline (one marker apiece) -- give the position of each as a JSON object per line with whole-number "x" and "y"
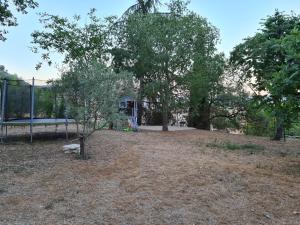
{"x": 25, "y": 104}
{"x": 37, "y": 122}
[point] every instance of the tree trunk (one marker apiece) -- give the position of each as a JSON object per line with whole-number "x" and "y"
{"x": 82, "y": 149}
{"x": 95, "y": 121}
{"x": 166, "y": 99}
{"x": 200, "y": 117}
{"x": 279, "y": 133}
{"x": 204, "y": 118}
{"x": 165, "y": 116}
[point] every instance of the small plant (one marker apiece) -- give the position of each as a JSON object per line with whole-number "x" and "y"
{"x": 232, "y": 146}
{"x": 253, "y": 146}
{"x": 128, "y": 129}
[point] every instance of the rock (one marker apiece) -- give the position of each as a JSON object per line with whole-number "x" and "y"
{"x": 291, "y": 195}
{"x": 267, "y": 216}
{"x": 72, "y": 148}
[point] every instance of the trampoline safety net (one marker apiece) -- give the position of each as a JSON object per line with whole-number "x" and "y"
{"x": 17, "y": 100}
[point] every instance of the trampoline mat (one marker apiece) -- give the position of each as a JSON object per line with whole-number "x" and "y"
{"x": 39, "y": 122}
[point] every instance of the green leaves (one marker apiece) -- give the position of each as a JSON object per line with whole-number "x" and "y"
{"x": 271, "y": 57}
{"x": 7, "y": 18}
{"x": 74, "y": 42}
{"x": 170, "y": 54}
{"x": 92, "y": 91}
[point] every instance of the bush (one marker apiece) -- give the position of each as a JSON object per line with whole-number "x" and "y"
{"x": 295, "y": 130}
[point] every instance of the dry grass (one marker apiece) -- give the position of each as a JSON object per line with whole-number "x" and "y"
{"x": 152, "y": 178}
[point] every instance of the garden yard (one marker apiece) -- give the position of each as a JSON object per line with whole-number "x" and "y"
{"x": 152, "y": 177}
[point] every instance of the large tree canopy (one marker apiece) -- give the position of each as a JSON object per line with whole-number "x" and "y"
{"x": 7, "y": 19}
{"x": 162, "y": 51}
{"x": 270, "y": 62}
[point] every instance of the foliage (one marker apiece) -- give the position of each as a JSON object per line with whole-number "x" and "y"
{"x": 93, "y": 91}
{"x": 4, "y": 74}
{"x": 175, "y": 64}
{"x": 90, "y": 87}
{"x": 294, "y": 130}
{"x": 160, "y": 49}
{"x": 205, "y": 86}
{"x": 270, "y": 62}
{"x": 76, "y": 43}
{"x": 7, "y": 19}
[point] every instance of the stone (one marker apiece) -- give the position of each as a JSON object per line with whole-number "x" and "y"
{"x": 72, "y": 148}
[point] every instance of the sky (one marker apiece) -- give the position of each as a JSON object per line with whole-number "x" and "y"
{"x": 235, "y": 19}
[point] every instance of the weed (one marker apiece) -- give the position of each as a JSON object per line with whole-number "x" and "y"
{"x": 232, "y": 146}
{"x": 213, "y": 145}
{"x": 251, "y": 148}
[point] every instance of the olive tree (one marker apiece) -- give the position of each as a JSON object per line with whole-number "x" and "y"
{"x": 90, "y": 86}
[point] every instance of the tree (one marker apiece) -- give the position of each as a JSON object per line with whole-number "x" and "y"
{"x": 162, "y": 49}
{"x": 7, "y": 19}
{"x": 205, "y": 88}
{"x": 93, "y": 92}
{"x": 76, "y": 43}
{"x": 90, "y": 87}
{"x": 141, "y": 7}
{"x": 269, "y": 61}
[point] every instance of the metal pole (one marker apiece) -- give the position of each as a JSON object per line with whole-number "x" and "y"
{"x": 3, "y": 107}
{"x": 66, "y": 124}
{"x": 67, "y": 134}
{"x": 135, "y": 108}
{"x": 32, "y": 109}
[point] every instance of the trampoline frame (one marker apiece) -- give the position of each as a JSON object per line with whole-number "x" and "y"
{"x": 31, "y": 121}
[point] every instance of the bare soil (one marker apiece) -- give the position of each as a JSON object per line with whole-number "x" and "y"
{"x": 151, "y": 178}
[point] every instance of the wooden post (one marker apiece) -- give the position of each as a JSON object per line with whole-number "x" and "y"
{"x": 3, "y": 95}
{"x": 82, "y": 151}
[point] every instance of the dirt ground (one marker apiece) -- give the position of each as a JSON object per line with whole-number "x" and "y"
{"x": 151, "y": 178}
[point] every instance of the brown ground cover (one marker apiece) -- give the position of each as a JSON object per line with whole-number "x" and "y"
{"x": 179, "y": 177}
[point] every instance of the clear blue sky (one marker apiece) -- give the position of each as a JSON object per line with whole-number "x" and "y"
{"x": 236, "y": 19}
